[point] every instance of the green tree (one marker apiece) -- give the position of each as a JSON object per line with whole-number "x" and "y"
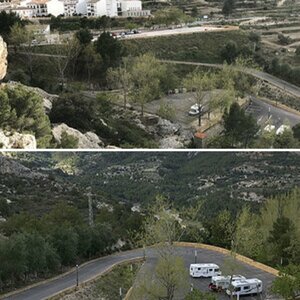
{"x": 91, "y": 61}
{"x": 287, "y": 284}
{"x": 110, "y": 49}
{"x": 122, "y": 79}
{"x": 84, "y": 36}
{"x": 281, "y": 237}
{"x": 22, "y": 222}
{"x": 239, "y": 128}
{"x": 65, "y": 240}
{"x": 228, "y": 7}
{"x": 62, "y": 56}
{"x": 198, "y": 295}
{"x": 146, "y": 73}
{"x": 22, "y": 40}
{"x": 231, "y": 267}
{"x": 265, "y": 140}
{"x": 13, "y": 255}
{"x": 298, "y": 51}
{"x": 194, "y": 12}
{"x": 170, "y": 275}
{"x": 248, "y": 236}
{"x": 199, "y": 84}
{"x": 27, "y": 113}
{"x": 7, "y": 21}
{"x": 36, "y": 259}
{"x": 286, "y": 139}
{"x": 222, "y": 230}
{"x": 230, "y": 52}
{"x": 68, "y": 141}
{"x": 76, "y": 111}
{"x": 63, "y": 215}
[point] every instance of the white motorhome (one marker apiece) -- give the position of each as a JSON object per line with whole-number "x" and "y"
{"x": 204, "y": 270}
{"x": 219, "y": 283}
{"x": 245, "y": 287}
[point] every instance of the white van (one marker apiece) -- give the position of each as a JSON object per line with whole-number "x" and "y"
{"x": 219, "y": 283}
{"x": 245, "y": 287}
{"x": 204, "y": 270}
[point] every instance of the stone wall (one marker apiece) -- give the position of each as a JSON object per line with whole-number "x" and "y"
{"x": 3, "y": 58}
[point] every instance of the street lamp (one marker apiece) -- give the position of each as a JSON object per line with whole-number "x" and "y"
{"x": 77, "y": 278}
{"x": 144, "y": 252}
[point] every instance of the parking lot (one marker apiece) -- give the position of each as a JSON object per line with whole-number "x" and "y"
{"x": 208, "y": 256}
{"x": 181, "y": 104}
{"x": 266, "y": 113}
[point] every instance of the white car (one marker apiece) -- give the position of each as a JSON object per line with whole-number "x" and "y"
{"x": 194, "y": 110}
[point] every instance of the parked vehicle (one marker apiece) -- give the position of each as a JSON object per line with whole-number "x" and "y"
{"x": 195, "y": 109}
{"x": 245, "y": 287}
{"x": 204, "y": 270}
{"x": 219, "y": 283}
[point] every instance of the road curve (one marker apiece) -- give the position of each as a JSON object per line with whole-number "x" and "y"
{"x": 283, "y": 85}
{"x": 99, "y": 266}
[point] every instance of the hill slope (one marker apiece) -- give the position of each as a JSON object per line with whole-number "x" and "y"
{"x": 37, "y": 181}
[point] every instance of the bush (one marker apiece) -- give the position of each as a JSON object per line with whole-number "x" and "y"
{"x": 166, "y": 111}
{"x": 68, "y": 141}
{"x": 23, "y": 110}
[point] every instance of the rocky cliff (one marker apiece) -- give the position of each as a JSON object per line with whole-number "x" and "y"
{"x": 3, "y": 58}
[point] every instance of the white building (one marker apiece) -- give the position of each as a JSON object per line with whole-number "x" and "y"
{"x": 44, "y": 8}
{"x": 70, "y": 7}
{"x": 23, "y": 12}
{"x": 132, "y": 8}
{"x": 130, "y": 5}
{"x": 97, "y": 8}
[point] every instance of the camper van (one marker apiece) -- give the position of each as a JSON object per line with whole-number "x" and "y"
{"x": 245, "y": 287}
{"x": 219, "y": 283}
{"x": 204, "y": 270}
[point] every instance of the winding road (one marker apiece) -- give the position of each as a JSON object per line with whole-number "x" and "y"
{"x": 99, "y": 266}
{"x": 283, "y": 85}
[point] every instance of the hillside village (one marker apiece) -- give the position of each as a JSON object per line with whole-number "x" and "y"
{"x": 207, "y": 63}
{"x": 28, "y": 9}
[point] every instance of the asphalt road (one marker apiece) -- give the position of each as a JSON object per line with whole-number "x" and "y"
{"x": 286, "y": 86}
{"x": 88, "y": 271}
{"x": 42, "y": 291}
{"x": 182, "y": 30}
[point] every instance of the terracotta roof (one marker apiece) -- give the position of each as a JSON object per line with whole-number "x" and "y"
{"x": 200, "y": 135}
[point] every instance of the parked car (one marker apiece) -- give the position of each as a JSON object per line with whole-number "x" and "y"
{"x": 195, "y": 109}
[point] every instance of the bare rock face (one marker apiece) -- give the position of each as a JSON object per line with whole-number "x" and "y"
{"x": 171, "y": 142}
{"x": 11, "y": 167}
{"x": 85, "y": 141}
{"x": 3, "y": 58}
{"x": 16, "y": 140}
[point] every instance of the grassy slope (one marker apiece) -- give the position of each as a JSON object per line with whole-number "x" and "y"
{"x": 202, "y": 47}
